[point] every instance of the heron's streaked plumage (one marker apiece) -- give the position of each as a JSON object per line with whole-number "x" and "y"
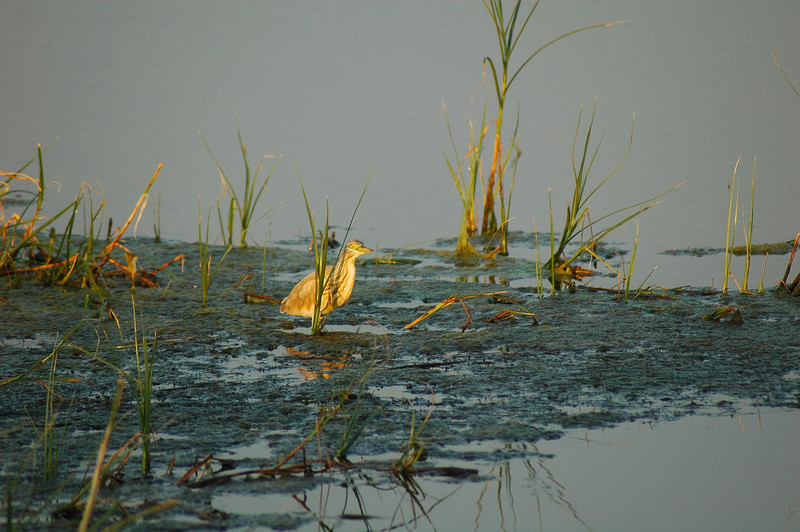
{"x": 339, "y": 278}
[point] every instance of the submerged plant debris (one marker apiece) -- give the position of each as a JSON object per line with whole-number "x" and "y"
{"x": 238, "y": 375}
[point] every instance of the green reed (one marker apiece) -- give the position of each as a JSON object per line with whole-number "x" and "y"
{"x": 629, "y": 275}
{"x": 52, "y": 442}
{"x": 732, "y": 225}
{"x": 730, "y": 231}
{"x": 144, "y": 388}
{"x": 414, "y": 448}
{"x": 785, "y": 76}
{"x": 577, "y": 221}
{"x": 243, "y": 205}
{"x": 207, "y": 272}
{"x": 466, "y": 185}
{"x": 320, "y": 261}
{"x": 538, "y": 263}
{"x": 749, "y": 230}
{"x": 98, "y": 475}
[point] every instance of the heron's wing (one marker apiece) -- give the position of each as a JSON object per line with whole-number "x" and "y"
{"x": 300, "y": 301}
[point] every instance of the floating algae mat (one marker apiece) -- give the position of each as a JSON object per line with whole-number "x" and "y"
{"x": 486, "y": 413}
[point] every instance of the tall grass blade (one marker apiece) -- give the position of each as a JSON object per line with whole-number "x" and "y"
{"x": 729, "y": 238}
{"x": 207, "y": 273}
{"x": 785, "y": 76}
{"x": 552, "y": 245}
{"x": 749, "y": 230}
{"x": 101, "y": 454}
{"x": 633, "y": 262}
{"x": 320, "y": 260}
{"x": 144, "y": 389}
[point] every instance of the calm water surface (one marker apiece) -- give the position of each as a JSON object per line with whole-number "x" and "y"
{"x": 343, "y": 89}
{"x": 699, "y": 473}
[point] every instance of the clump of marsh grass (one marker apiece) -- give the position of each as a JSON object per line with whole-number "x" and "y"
{"x": 730, "y": 233}
{"x": 578, "y": 222}
{"x": 794, "y": 288}
{"x": 508, "y": 29}
{"x": 624, "y": 277}
{"x": 413, "y": 450}
{"x": 51, "y": 444}
{"x": 242, "y": 205}
{"x": 30, "y": 246}
{"x": 466, "y": 185}
{"x": 21, "y": 232}
{"x": 48, "y": 438}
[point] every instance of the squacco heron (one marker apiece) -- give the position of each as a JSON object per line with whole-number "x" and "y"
{"x": 339, "y": 281}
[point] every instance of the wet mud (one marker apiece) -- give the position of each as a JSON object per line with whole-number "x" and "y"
{"x": 244, "y": 383}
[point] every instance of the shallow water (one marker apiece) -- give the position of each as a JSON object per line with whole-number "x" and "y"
{"x": 244, "y": 383}
{"x": 704, "y": 472}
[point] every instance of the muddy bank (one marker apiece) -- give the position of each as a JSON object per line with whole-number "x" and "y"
{"x": 237, "y": 375}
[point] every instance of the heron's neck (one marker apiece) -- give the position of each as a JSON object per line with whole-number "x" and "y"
{"x": 342, "y": 266}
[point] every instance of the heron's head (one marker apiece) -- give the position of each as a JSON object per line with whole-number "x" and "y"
{"x": 356, "y": 248}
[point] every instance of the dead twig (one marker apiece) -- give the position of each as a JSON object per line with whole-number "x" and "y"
{"x": 446, "y": 303}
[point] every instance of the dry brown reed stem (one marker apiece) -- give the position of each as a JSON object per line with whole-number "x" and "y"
{"x": 60, "y": 379}
{"x": 495, "y": 173}
{"x": 447, "y": 302}
{"x": 791, "y": 259}
{"x": 168, "y": 263}
{"x": 141, "y": 277}
{"x": 783, "y": 284}
{"x": 250, "y": 297}
{"x": 101, "y": 453}
{"x": 205, "y": 462}
{"x": 130, "y": 519}
{"x": 41, "y": 267}
{"x": 294, "y": 469}
{"x": 115, "y": 242}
